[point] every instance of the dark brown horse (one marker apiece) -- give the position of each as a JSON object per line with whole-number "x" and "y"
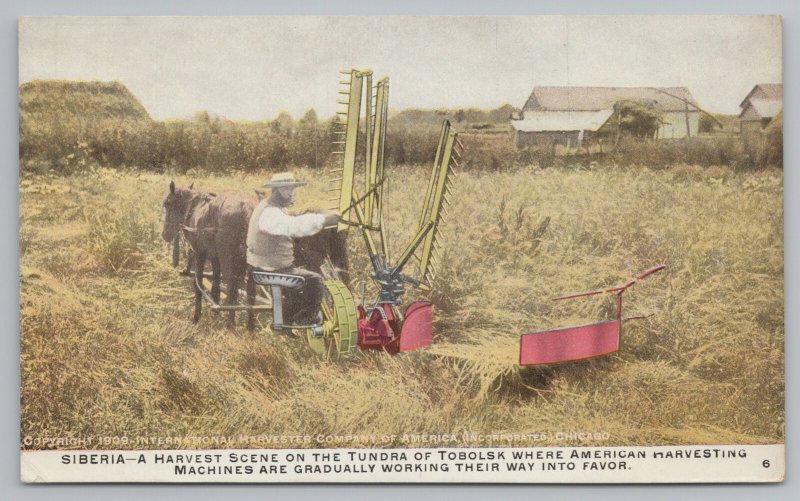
{"x": 215, "y": 226}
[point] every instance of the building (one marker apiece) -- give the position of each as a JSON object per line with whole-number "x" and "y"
{"x": 573, "y": 115}
{"x": 761, "y": 105}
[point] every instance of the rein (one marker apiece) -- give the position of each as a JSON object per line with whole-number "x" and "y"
{"x": 197, "y": 200}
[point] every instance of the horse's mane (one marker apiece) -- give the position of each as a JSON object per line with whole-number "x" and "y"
{"x": 196, "y": 198}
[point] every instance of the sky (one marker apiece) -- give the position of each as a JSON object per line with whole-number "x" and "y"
{"x": 252, "y": 68}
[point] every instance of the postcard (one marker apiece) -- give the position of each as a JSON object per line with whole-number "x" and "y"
{"x": 508, "y": 249}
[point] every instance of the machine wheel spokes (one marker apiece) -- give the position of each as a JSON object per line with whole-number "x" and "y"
{"x": 339, "y": 330}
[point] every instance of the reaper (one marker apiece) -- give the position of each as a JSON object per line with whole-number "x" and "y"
{"x": 380, "y": 324}
{"x": 341, "y": 325}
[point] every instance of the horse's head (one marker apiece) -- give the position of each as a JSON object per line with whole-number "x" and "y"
{"x": 175, "y": 204}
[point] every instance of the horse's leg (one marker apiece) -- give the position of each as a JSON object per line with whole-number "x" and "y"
{"x": 200, "y": 264}
{"x": 189, "y": 261}
{"x": 233, "y": 297}
{"x": 215, "y": 279}
{"x": 251, "y": 299}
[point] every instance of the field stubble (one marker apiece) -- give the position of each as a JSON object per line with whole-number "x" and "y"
{"x": 108, "y": 348}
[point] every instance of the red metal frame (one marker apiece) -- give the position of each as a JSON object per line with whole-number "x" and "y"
{"x": 568, "y": 344}
{"x": 382, "y": 330}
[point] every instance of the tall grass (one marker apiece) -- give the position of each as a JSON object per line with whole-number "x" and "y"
{"x": 108, "y": 347}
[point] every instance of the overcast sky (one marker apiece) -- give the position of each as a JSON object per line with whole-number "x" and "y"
{"x": 255, "y": 67}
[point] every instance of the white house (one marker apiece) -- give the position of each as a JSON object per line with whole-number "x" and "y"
{"x": 763, "y": 103}
{"x": 569, "y": 115}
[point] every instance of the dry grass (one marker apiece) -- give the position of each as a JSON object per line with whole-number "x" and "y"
{"x": 108, "y": 348}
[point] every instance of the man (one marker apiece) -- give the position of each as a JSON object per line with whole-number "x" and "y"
{"x": 270, "y": 245}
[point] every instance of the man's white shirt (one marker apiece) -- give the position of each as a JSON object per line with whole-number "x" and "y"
{"x": 274, "y": 221}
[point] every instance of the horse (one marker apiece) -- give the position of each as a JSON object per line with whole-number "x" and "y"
{"x": 215, "y": 226}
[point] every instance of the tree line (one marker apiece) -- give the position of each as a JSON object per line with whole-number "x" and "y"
{"x": 204, "y": 142}
{"x": 214, "y": 144}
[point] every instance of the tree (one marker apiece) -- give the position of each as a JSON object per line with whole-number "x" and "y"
{"x": 283, "y": 124}
{"x": 708, "y": 123}
{"x": 638, "y": 118}
{"x": 306, "y": 143}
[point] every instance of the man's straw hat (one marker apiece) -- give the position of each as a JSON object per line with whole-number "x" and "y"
{"x": 281, "y": 179}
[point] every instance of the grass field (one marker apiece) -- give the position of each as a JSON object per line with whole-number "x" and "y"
{"x": 108, "y": 350}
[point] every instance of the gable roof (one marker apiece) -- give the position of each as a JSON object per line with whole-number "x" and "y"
{"x": 763, "y": 108}
{"x": 768, "y": 91}
{"x": 603, "y": 98}
{"x": 541, "y": 121}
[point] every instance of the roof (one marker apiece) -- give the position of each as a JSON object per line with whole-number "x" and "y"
{"x": 767, "y": 91}
{"x": 541, "y": 121}
{"x": 603, "y": 98}
{"x": 764, "y": 108}
{"x": 75, "y": 104}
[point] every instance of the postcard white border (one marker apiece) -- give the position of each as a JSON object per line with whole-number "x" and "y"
{"x": 529, "y": 465}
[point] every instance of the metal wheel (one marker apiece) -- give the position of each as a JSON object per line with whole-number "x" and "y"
{"x": 339, "y": 323}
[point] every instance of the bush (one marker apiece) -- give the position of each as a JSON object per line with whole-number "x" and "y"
{"x": 203, "y": 143}
{"x": 411, "y": 144}
{"x": 118, "y": 237}
{"x": 731, "y": 151}
{"x": 488, "y": 152}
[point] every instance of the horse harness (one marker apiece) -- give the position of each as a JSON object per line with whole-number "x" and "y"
{"x": 194, "y": 202}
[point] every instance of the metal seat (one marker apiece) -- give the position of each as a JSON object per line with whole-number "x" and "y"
{"x": 277, "y": 281}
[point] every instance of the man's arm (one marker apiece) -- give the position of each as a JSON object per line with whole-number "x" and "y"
{"x": 276, "y": 222}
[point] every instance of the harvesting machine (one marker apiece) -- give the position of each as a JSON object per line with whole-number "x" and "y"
{"x": 379, "y": 324}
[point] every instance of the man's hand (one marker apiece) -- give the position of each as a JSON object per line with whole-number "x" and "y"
{"x": 331, "y": 219}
